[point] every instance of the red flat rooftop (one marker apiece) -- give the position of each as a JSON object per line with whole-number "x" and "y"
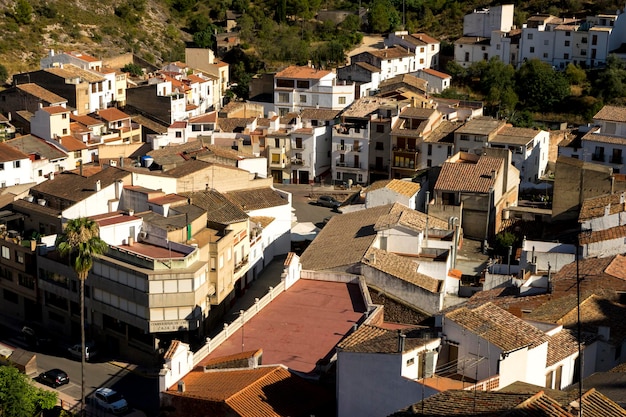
{"x": 299, "y": 327}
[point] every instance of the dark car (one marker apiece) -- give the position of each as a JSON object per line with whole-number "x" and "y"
{"x": 328, "y": 201}
{"x": 37, "y": 338}
{"x": 54, "y": 378}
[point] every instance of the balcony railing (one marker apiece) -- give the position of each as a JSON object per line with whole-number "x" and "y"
{"x": 617, "y": 160}
{"x": 241, "y": 263}
{"x": 598, "y": 157}
{"x": 349, "y": 165}
{"x": 405, "y": 149}
{"x": 297, "y": 161}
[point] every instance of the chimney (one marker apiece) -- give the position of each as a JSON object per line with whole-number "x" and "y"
{"x": 401, "y": 340}
{"x": 98, "y": 185}
{"x": 51, "y": 176}
{"x": 80, "y": 167}
{"x": 131, "y": 241}
{"x": 181, "y": 386}
{"x": 121, "y": 161}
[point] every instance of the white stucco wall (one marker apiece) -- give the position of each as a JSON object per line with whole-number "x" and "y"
{"x": 371, "y": 385}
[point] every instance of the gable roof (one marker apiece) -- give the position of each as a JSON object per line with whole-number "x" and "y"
{"x": 515, "y": 135}
{"x": 344, "y": 240}
{"x": 219, "y": 209}
{"x": 112, "y": 114}
{"x": 467, "y": 176}
{"x": 374, "y": 339}
{"x": 611, "y": 114}
{"x": 75, "y": 188}
{"x": 33, "y": 145}
{"x": 400, "y": 267}
{"x": 72, "y": 71}
{"x": 594, "y": 207}
{"x": 405, "y": 188}
{"x": 9, "y": 153}
{"x": 37, "y": 91}
{"x": 498, "y": 327}
{"x": 256, "y": 198}
{"x": 400, "y": 215}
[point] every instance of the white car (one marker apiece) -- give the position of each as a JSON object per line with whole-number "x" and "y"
{"x": 90, "y": 351}
{"x": 111, "y": 400}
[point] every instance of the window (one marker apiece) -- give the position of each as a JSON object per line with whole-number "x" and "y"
{"x": 2, "y": 166}
{"x": 275, "y": 158}
{"x": 283, "y": 97}
{"x": 530, "y": 36}
{"x": 64, "y": 131}
{"x": 583, "y": 52}
{"x": 302, "y": 98}
{"x": 380, "y": 128}
{"x": 16, "y": 164}
{"x": 380, "y": 146}
{"x": 196, "y": 128}
{"x": 429, "y": 151}
{"x": 467, "y": 56}
{"x": 6, "y": 253}
{"x": 338, "y": 176}
{"x": 40, "y": 173}
{"x": 584, "y": 40}
{"x": 567, "y": 33}
{"x": 302, "y": 84}
{"x": 284, "y": 83}
{"x": 298, "y": 143}
{"x": 276, "y": 143}
{"x": 545, "y": 54}
{"x": 566, "y": 43}
{"x": 179, "y": 134}
{"x": 422, "y": 61}
{"x": 64, "y": 116}
{"x": 19, "y": 256}
{"x": 498, "y": 47}
{"x": 465, "y": 137}
{"x": 78, "y": 154}
{"x": 546, "y": 42}
{"x": 565, "y": 56}
{"x": 221, "y": 261}
{"x": 532, "y": 49}
{"x": 342, "y": 100}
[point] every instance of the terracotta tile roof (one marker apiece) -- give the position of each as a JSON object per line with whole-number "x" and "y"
{"x": 270, "y": 391}
{"x": 405, "y": 188}
{"x": 40, "y": 92}
{"x": 594, "y": 207}
{"x": 72, "y": 144}
{"x": 472, "y": 40}
{"x": 180, "y": 124}
{"x": 436, "y": 73}
{"x": 75, "y": 188}
{"x": 424, "y": 38}
{"x": 482, "y": 125}
{"x": 256, "y": 198}
{"x": 498, "y": 327}
{"x": 302, "y": 73}
{"x": 394, "y": 52}
{"x": 172, "y": 349}
{"x": 417, "y": 112}
{"x": 561, "y": 345}
{"x": 86, "y": 120}
{"x": 9, "y": 153}
{"x": 593, "y": 136}
{"x": 595, "y": 404}
{"x": 443, "y": 133}
{"x": 219, "y": 209}
{"x": 230, "y": 361}
{"x": 33, "y": 145}
{"x": 365, "y": 106}
{"x": 408, "y": 79}
{"x": 400, "y": 267}
{"x": 83, "y": 56}
{"x": 611, "y": 114}
{"x": 55, "y": 109}
{"x": 149, "y": 124}
{"x": 595, "y": 273}
{"x": 373, "y": 339}
{"x": 319, "y": 114}
{"x": 112, "y": 114}
{"x": 464, "y": 403}
{"x": 72, "y": 71}
{"x": 187, "y": 168}
{"x": 368, "y": 67}
{"x": 469, "y": 177}
{"x": 233, "y": 124}
{"x": 401, "y": 215}
{"x": 344, "y": 240}
{"x": 264, "y": 221}
{"x": 210, "y": 117}
{"x": 515, "y": 136}
{"x": 612, "y": 233}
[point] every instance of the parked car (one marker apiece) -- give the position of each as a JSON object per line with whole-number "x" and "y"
{"x": 110, "y": 400}
{"x": 54, "y": 378}
{"x": 90, "y": 351}
{"x": 328, "y": 201}
{"x": 37, "y": 338}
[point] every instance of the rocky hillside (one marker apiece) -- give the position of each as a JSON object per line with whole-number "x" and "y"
{"x": 145, "y": 27}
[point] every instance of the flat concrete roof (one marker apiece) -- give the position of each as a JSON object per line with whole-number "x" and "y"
{"x": 299, "y": 327}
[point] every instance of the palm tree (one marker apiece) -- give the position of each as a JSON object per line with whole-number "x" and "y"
{"x": 80, "y": 242}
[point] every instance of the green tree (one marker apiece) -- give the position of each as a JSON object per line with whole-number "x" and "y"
{"x": 203, "y": 39}
{"x": 23, "y": 12}
{"x": 19, "y": 397}
{"x": 383, "y": 17}
{"x": 80, "y": 242}
{"x": 133, "y": 69}
{"x": 540, "y": 87}
{"x": 575, "y": 75}
{"x": 497, "y": 83}
{"x": 610, "y": 83}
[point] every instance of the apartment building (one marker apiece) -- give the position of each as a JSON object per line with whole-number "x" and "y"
{"x": 297, "y": 88}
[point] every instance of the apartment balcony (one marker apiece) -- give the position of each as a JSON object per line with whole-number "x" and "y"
{"x": 297, "y": 161}
{"x": 348, "y": 148}
{"x": 282, "y": 164}
{"x": 598, "y": 157}
{"x": 349, "y": 165}
{"x": 617, "y": 160}
{"x": 239, "y": 265}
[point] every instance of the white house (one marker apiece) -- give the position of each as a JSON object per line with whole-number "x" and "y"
{"x": 602, "y": 220}
{"x": 437, "y": 81}
{"x": 425, "y": 47}
{"x": 487, "y": 343}
{"x": 380, "y": 371}
{"x": 15, "y": 166}
{"x": 298, "y": 88}
{"x": 393, "y": 191}
{"x": 46, "y": 157}
{"x": 50, "y": 122}
{"x": 529, "y": 151}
